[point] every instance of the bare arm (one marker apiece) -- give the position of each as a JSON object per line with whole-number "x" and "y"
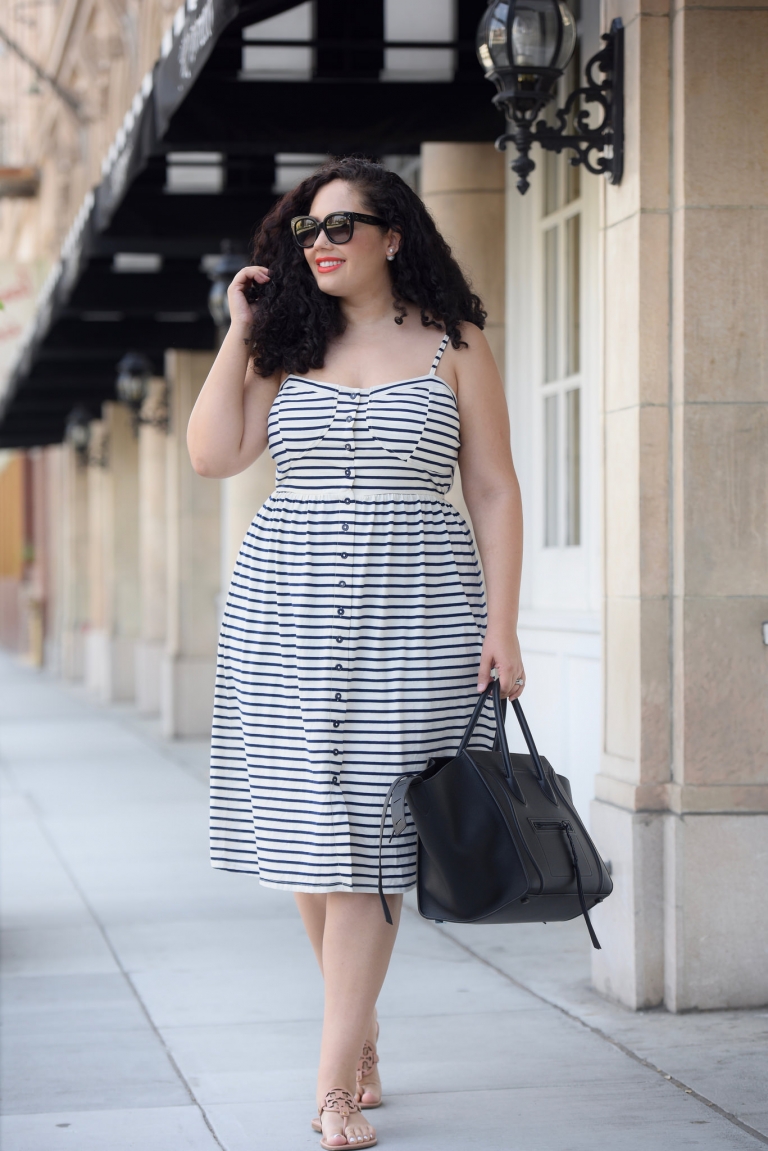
{"x": 492, "y": 495}
{"x": 227, "y": 430}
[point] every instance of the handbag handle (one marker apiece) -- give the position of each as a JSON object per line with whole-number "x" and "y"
{"x": 494, "y": 689}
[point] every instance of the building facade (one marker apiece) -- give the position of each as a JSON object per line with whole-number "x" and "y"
{"x": 629, "y": 323}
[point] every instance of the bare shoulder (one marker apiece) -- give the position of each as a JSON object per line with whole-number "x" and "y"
{"x": 473, "y": 363}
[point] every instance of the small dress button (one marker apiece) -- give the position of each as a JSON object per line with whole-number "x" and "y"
{"x": 339, "y": 611}
{"x": 348, "y": 447}
{"x": 347, "y": 471}
{"x": 343, "y": 555}
{"x": 345, "y": 527}
{"x": 335, "y": 779}
{"x": 338, "y": 667}
{"x": 349, "y": 419}
{"x": 342, "y": 583}
{"x": 335, "y": 723}
{"x": 347, "y": 500}
{"x": 335, "y": 751}
{"x": 338, "y": 697}
{"x": 338, "y": 639}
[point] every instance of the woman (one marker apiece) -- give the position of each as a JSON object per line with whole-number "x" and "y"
{"x": 355, "y": 634}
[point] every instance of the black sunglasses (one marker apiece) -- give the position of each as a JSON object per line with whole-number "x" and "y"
{"x": 339, "y": 227}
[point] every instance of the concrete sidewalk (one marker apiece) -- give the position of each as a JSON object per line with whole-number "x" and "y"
{"x": 151, "y": 1003}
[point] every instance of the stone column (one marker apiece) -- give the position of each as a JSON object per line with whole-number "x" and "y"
{"x": 193, "y": 562}
{"x": 73, "y": 509}
{"x": 241, "y": 498}
{"x": 55, "y": 463}
{"x": 36, "y": 587}
{"x": 682, "y": 798}
{"x": 114, "y": 573}
{"x": 153, "y": 546}
{"x": 94, "y": 651}
{"x": 463, "y": 185}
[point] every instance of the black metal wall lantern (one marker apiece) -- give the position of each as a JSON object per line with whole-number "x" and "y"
{"x": 78, "y": 432}
{"x": 524, "y": 46}
{"x": 149, "y": 405}
{"x": 221, "y": 274}
{"x": 134, "y": 372}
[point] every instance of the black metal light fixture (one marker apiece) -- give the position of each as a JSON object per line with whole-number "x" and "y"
{"x": 134, "y": 372}
{"x": 77, "y": 432}
{"x": 222, "y": 273}
{"x": 524, "y": 46}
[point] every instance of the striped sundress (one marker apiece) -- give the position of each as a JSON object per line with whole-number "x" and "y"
{"x": 351, "y": 636}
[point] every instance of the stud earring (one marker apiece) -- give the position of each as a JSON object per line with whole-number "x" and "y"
{"x": 392, "y": 256}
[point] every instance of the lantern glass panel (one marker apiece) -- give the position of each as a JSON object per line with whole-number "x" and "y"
{"x": 218, "y": 303}
{"x": 534, "y": 33}
{"x": 569, "y": 36}
{"x": 131, "y": 388}
{"x": 543, "y": 34}
{"x": 492, "y": 38}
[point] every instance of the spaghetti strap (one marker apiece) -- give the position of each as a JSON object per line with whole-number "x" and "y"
{"x": 439, "y": 356}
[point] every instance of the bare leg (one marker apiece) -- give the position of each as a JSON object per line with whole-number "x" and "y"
{"x": 312, "y": 911}
{"x": 356, "y": 949}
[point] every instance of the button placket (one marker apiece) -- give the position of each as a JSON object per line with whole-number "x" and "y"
{"x": 341, "y": 611}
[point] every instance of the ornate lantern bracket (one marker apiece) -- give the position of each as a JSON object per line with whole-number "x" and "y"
{"x": 600, "y": 148}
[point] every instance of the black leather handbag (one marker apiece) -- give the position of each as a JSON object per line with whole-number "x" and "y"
{"x": 499, "y": 840}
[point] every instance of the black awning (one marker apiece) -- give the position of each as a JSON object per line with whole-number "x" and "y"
{"x": 197, "y": 101}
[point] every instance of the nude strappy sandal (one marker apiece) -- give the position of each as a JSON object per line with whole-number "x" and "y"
{"x": 368, "y": 1061}
{"x": 365, "y": 1066}
{"x": 345, "y": 1105}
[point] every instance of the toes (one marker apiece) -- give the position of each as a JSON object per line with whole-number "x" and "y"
{"x": 358, "y": 1132}
{"x": 333, "y": 1134}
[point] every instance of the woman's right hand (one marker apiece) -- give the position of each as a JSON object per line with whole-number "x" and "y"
{"x": 240, "y": 309}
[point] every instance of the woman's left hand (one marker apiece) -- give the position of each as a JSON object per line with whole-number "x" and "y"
{"x": 502, "y": 651}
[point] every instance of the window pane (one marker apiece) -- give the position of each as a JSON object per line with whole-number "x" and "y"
{"x": 552, "y": 165}
{"x": 573, "y": 467}
{"x": 551, "y": 479}
{"x": 572, "y": 296}
{"x": 550, "y": 305}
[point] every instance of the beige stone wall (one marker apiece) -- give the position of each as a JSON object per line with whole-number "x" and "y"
{"x": 193, "y": 563}
{"x": 241, "y": 498}
{"x": 463, "y": 185}
{"x": 98, "y": 50}
{"x": 686, "y": 512}
{"x": 113, "y": 541}
{"x": 70, "y": 506}
{"x": 153, "y": 546}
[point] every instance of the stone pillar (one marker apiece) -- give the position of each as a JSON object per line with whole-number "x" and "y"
{"x": 36, "y": 585}
{"x": 113, "y": 515}
{"x": 94, "y": 651}
{"x": 682, "y": 798}
{"x": 193, "y": 562}
{"x": 153, "y": 546}
{"x": 463, "y": 185}
{"x": 73, "y": 510}
{"x": 241, "y": 498}
{"x": 55, "y": 463}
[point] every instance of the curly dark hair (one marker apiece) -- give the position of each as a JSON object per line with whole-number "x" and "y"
{"x": 294, "y": 320}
